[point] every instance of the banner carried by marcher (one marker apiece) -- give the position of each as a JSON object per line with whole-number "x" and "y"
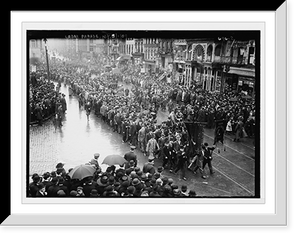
{"x": 219, "y": 131}
{"x": 195, "y": 131}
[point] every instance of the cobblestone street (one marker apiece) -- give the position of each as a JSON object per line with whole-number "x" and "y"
{"x": 78, "y": 139}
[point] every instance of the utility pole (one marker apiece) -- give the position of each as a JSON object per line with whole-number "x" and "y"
{"x": 48, "y": 70}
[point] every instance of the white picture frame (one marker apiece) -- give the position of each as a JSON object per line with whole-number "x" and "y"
{"x": 270, "y": 209}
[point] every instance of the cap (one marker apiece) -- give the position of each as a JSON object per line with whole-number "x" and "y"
{"x": 61, "y": 193}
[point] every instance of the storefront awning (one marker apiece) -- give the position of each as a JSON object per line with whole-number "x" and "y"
{"x": 242, "y": 71}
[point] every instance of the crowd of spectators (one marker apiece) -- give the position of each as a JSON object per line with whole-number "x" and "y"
{"x": 126, "y": 181}
{"x": 131, "y": 111}
{"x": 44, "y": 98}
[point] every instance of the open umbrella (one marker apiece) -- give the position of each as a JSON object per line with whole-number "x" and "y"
{"x": 114, "y": 160}
{"x": 82, "y": 171}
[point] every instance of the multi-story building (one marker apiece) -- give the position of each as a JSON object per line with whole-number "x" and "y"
{"x": 138, "y": 51}
{"x": 36, "y": 53}
{"x": 179, "y": 51}
{"x": 130, "y": 45}
{"x": 213, "y": 63}
{"x": 151, "y": 54}
{"x": 166, "y": 53}
{"x": 35, "y": 48}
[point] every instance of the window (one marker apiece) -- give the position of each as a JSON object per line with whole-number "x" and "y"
{"x": 33, "y": 43}
{"x": 218, "y": 50}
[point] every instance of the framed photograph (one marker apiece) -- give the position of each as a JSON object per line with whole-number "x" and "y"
{"x": 149, "y": 121}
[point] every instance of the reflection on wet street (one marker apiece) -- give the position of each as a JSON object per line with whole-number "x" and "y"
{"x": 79, "y": 138}
{"x": 75, "y": 143}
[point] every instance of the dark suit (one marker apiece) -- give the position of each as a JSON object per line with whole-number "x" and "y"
{"x": 131, "y": 156}
{"x": 181, "y": 165}
{"x": 87, "y": 188}
{"x": 149, "y": 168}
{"x": 207, "y": 155}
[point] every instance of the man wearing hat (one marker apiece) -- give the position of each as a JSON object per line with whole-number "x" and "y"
{"x": 63, "y": 103}
{"x": 149, "y": 167}
{"x": 131, "y": 155}
{"x": 42, "y": 190}
{"x": 152, "y": 147}
{"x": 94, "y": 162}
{"x": 88, "y": 186}
{"x": 182, "y": 161}
{"x": 102, "y": 184}
{"x": 94, "y": 193}
{"x": 141, "y": 138}
{"x": 33, "y": 187}
{"x": 207, "y": 155}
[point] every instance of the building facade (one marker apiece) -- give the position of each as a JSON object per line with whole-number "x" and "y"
{"x": 215, "y": 64}
{"x": 151, "y": 63}
{"x": 36, "y": 48}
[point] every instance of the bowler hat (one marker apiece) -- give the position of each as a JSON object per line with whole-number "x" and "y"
{"x": 135, "y": 182}
{"x": 73, "y": 193}
{"x": 131, "y": 189}
{"x": 59, "y": 165}
{"x": 94, "y": 193}
{"x": 40, "y": 185}
{"x": 143, "y": 177}
{"x": 125, "y": 184}
{"x": 109, "y": 188}
{"x": 104, "y": 179}
{"x": 111, "y": 180}
{"x": 61, "y": 193}
{"x": 160, "y": 169}
{"x": 35, "y": 177}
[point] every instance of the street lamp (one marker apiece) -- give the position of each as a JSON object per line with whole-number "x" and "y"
{"x": 48, "y": 71}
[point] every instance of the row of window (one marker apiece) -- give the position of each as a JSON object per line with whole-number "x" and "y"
{"x": 150, "y": 53}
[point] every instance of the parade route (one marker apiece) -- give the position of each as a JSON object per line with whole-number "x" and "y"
{"x": 78, "y": 139}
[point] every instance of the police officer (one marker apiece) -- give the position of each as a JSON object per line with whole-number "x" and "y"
{"x": 131, "y": 155}
{"x": 207, "y": 157}
{"x": 88, "y": 109}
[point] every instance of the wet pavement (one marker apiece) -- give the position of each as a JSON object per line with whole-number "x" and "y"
{"x": 78, "y": 139}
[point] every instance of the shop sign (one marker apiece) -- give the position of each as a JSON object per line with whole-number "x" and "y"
{"x": 180, "y": 42}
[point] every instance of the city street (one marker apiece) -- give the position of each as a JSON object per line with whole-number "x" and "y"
{"x": 78, "y": 139}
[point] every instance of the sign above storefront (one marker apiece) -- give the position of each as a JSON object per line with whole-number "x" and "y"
{"x": 180, "y": 42}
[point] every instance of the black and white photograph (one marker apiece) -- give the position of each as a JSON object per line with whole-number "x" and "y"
{"x": 143, "y": 114}
{"x": 143, "y": 119}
